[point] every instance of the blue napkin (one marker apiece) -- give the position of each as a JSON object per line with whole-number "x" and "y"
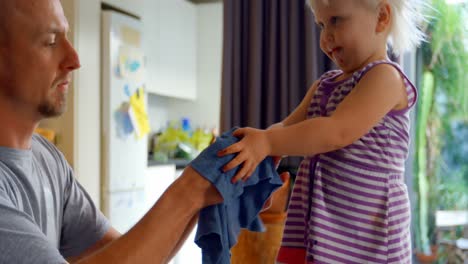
{"x": 219, "y": 225}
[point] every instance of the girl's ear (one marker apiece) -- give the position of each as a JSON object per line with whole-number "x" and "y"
{"x": 384, "y": 18}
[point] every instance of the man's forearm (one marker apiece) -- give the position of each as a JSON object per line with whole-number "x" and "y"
{"x": 185, "y": 235}
{"x": 154, "y": 238}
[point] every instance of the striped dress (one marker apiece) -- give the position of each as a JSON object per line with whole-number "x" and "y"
{"x": 351, "y": 205}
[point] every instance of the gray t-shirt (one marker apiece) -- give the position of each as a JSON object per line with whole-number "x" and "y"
{"x": 45, "y": 214}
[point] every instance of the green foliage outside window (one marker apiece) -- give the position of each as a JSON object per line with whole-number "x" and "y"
{"x": 441, "y": 162}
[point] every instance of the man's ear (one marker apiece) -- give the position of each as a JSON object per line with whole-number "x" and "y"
{"x": 384, "y": 18}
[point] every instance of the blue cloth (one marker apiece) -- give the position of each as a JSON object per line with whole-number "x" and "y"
{"x": 219, "y": 225}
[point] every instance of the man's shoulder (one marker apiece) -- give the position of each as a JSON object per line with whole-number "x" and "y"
{"x": 43, "y": 147}
{"x": 37, "y": 139}
{"x": 8, "y": 186}
{"x": 49, "y": 158}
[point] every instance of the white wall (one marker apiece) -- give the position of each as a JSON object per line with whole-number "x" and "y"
{"x": 87, "y": 156}
{"x": 205, "y": 110}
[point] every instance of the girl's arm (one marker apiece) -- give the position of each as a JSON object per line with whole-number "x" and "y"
{"x": 379, "y": 91}
{"x": 300, "y": 113}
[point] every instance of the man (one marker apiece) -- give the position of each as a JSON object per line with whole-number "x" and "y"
{"x": 45, "y": 215}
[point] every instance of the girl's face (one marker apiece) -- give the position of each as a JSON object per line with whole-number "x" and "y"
{"x": 349, "y": 34}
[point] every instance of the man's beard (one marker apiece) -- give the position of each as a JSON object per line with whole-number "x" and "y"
{"x": 49, "y": 109}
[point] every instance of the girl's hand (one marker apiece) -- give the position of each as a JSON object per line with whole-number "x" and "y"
{"x": 252, "y": 148}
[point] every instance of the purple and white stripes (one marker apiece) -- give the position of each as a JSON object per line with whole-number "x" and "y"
{"x": 351, "y": 205}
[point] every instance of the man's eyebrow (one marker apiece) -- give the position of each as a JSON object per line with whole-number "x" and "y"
{"x": 58, "y": 30}
{"x": 55, "y": 31}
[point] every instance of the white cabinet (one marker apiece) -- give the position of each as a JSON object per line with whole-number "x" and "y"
{"x": 170, "y": 29}
{"x": 157, "y": 180}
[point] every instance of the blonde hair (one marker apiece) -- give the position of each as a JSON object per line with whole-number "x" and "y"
{"x": 407, "y": 18}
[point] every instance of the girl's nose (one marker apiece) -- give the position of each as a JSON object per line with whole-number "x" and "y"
{"x": 329, "y": 36}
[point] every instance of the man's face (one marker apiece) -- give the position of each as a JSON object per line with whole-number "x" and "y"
{"x": 36, "y": 58}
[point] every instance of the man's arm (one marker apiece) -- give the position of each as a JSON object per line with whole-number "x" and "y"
{"x": 110, "y": 236}
{"x": 188, "y": 229}
{"x": 156, "y": 236}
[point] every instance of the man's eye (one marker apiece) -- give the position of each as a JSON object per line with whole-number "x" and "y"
{"x": 51, "y": 40}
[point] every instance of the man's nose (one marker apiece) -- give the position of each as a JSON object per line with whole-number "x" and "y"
{"x": 71, "y": 61}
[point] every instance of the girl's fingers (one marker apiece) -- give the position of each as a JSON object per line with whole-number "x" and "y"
{"x": 243, "y": 173}
{"x": 234, "y": 148}
{"x": 240, "y": 174}
{"x": 248, "y": 174}
{"x": 239, "y": 159}
{"x": 238, "y": 132}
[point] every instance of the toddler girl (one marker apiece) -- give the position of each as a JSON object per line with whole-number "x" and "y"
{"x": 349, "y": 203}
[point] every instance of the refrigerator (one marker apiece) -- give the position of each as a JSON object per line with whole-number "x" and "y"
{"x": 124, "y": 150}
{"x": 129, "y": 188}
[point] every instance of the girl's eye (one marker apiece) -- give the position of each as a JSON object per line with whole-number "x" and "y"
{"x": 334, "y": 20}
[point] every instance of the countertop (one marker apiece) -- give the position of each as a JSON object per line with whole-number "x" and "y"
{"x": 179, "y": 163}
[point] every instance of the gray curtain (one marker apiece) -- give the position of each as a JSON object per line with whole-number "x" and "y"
{"x": 271, "y": 56}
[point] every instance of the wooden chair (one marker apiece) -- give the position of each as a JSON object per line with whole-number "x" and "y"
{"x": 456, "y": 246}
{"x": 262, "y": 247}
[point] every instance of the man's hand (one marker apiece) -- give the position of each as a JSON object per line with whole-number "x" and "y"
{"x": 207, "y": 194}
{"x": 277, "y": 161}
{"x": 279, "y": 199}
